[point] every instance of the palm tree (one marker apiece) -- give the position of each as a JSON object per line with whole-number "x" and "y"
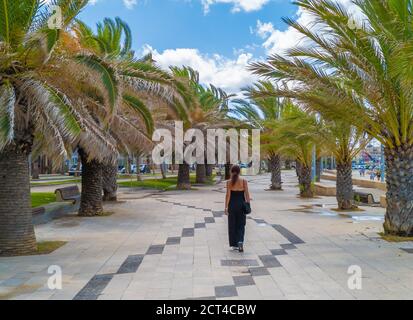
{"x": 31, "y": 110}
{"x": 207, "y": 109}
{"x": 296, "y": 135}
{"x": 122, "y": 109}
{"x": 260, "y": 111}
{"x": 365, "y": 69}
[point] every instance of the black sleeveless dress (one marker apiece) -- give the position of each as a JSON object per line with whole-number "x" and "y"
{"x": 236, "y": 218}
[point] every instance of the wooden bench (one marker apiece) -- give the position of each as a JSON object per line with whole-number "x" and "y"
{"x": 364, "y": 197}
{"x": 68, "y": 194}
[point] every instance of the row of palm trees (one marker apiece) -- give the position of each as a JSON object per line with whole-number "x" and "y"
{"x": 355, "y": 79}
{"x": 73, "y": 88}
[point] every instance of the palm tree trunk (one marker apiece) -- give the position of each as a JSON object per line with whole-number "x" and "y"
{"x": 184, "y": 181}
{"x": 304, "y": 178}
{"x": 228, "y": 167}
{"x": 275, "y": 168}
{"x": 138, "y": 170}
{"x": 17, "y": 235}
{"x": 399, "y": 178}
{"x": 288, "y": 164}
{"x": 318, "y": 170}
{"x": 344, "y": 186}
{"x": 209, "y": 170}
{"x": 36, "y": 169}
{"x": 297, "y": 168}
{"x": 91, "y": 198}
{"x": 201, "y": 173}
{"x": 109, "y": 182}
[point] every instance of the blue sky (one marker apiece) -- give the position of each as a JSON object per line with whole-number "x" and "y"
{"x": 219, "y": 38}
{"x": 170, "y": 24}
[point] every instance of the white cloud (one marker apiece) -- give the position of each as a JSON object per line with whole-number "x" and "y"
{"x": 130, "y": 4}
{"x": 238, "y": 5}
{"x": 277, "y": 41}
{"x": 229, "y": 74}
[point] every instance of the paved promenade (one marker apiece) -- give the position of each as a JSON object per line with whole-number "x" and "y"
{"x": 174, "y": 246}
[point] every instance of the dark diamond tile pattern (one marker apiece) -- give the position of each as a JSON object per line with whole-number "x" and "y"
{"x": 131, "y": 264}
{"x": 94, "y": 288}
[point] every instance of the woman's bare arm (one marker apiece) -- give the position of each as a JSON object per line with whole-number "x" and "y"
{"x": 227, "y": 198}
{"x": 247, "y": 192}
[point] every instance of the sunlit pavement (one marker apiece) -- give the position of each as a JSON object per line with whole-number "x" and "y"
{"x": 174, "y": 246}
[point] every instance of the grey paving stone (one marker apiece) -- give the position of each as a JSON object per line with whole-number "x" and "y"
{"x": 279, "y": 252}
{"x": 155, "y": 249}
{"x": 270, "y": 261}
{"x": 209, "y": 220}
{"x": 131, "y": 264}
{"x": 260, "y": 221}
{"x": 240, "y": 263}
{"x": 287, "y": 234}
{"x": 258, "y": 272}
{"x": 173, "y": 240}
{"x": 200, "y": 225}
{"x": 243, "y": 281}
{"x": 288, "y": 246}
{"x": 226, "y": 292}
{"x": 218, "y": 214}
{"x": 207, "y": 210}
{"x": 408, "y": 250}
{"x": 188, "y": 232}
{"x": 94, "y": 288}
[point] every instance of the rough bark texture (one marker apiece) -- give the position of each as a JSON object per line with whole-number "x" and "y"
{"x": 275, "y": 169}
{"x": 399, "y": 178}
{"x": 209, "y": 170}
{"x": 91, "y": 198}
{"x": 344, "y": 186}
{"x": 184, "y": 181}
{"x": 304, "y": 178}
{"x": 109, "y": 182}
{"x": 16, "y": 228}
{"x": 201, "y": 173}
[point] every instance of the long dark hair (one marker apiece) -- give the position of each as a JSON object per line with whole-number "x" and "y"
{"x": 235, "y": 172}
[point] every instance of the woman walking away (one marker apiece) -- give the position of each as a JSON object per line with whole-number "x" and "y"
{"x": 236, "y": 204}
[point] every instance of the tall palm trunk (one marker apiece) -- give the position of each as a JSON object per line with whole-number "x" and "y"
{"x": 184, "y": 181}
{"x": 201, "y": 173}
{"x": 16, "y": 228}
{"x": 304, "y": 178}
{"x": 318, "y": 170}
{"x": 399, "y": 178}
{"x": 275, "y": 168}
{"x": 109, "y": 182}
{"x": 91, "y": 198}
{"x": 228, "y": 167}
{"x": 344, "y": 186}
{"x": 209, "y": 170}
{"x": 138, "y": 169}
{"x": 288, "y": 164}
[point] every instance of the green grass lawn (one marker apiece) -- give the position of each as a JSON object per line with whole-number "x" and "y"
{"x": 55, "y": 183}
{"x": 158, "y": 184}
{"x": 42, "y": 198}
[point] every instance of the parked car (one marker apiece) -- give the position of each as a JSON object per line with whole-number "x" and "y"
{"x": 73, "y": 171}
{"x": 121, "y": 170}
